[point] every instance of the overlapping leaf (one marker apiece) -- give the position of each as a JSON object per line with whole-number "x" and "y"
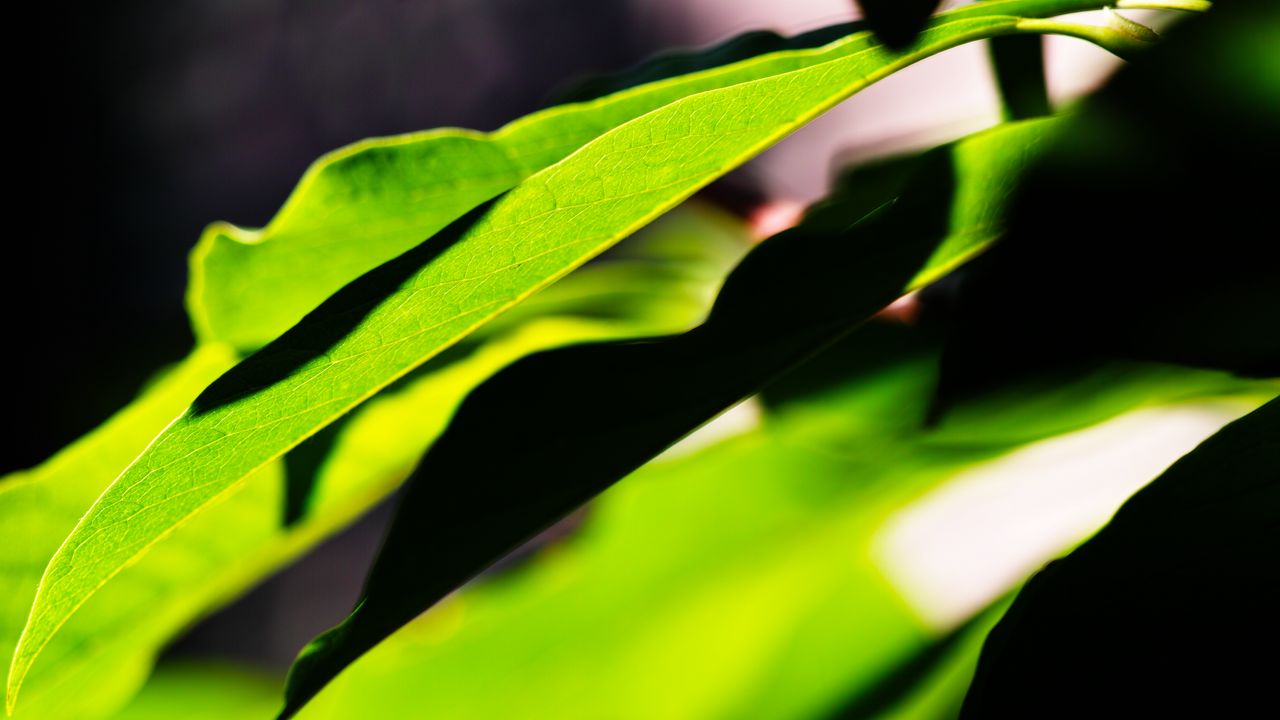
{"x": 589, "y": 415}
{"x": 398, "y": 316}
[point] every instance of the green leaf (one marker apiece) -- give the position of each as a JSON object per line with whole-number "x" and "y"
{"x": 398, "y": 316}
{"x": 568, "y": 630}
{"x": 203, "y": 692}
{"x": 364, "y": 204}
{"x": 649, "y": 595}
{"x": 1173, "y": 593}
{"x": 792, "y": 296}
{"x": 659, "y": 281}
{"x": 106, "y": 648}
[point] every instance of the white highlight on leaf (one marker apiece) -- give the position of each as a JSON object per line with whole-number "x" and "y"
{"x": 962, "y": 546}
{"x": 737, "y": 420}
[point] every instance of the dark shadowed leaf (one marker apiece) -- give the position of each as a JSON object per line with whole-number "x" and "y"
{"x": 1018, "y": 62}
{"x": 1169, "y": 611}
{"x": 1148, "y": 232}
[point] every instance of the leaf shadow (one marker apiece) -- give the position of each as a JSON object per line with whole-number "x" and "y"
{"x": 334, "y": 319}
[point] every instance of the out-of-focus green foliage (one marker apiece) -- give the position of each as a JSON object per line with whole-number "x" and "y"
{"x": 38, "y": 509}
{"x": 204, "y": 692}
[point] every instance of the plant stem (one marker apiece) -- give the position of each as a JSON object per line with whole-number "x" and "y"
{"x": 1050, "y": 8}
{"x": 1121, "y": 35}
{"x": 1187, "y": 5}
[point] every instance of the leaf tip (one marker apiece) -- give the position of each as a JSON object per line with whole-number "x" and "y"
{"x": 12, "y": 685}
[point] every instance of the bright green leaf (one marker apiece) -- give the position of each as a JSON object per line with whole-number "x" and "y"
{"x": 677, "y": 63}
{"x": 364, "y": 204}
{"x": 203, "y": 692}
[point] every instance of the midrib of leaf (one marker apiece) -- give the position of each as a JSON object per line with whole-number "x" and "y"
{"x": 195, "y": 441}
